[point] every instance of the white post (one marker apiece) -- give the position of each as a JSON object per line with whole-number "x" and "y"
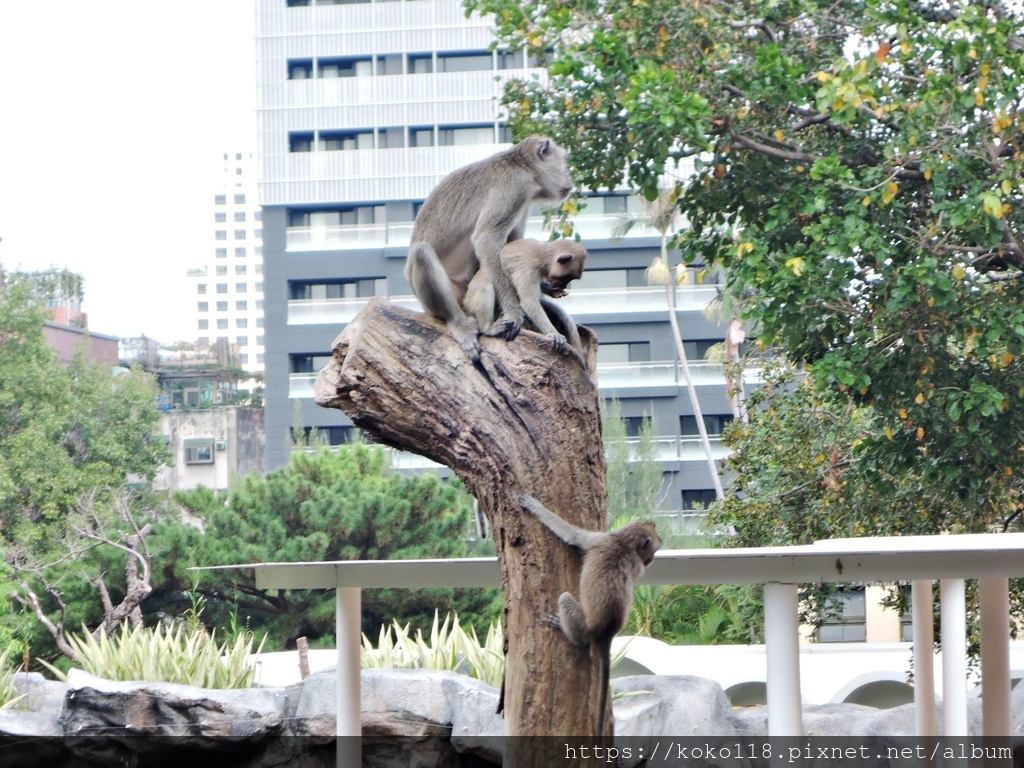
{"x": 924, "y": 657}
{"x": 348, "y": 638}
{"x": 782, "y": 652}
{"x": 994, "y": 594}
{"x": 953, "y": 626}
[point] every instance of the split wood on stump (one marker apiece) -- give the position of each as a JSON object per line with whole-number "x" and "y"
{"x": 523, "y": 420}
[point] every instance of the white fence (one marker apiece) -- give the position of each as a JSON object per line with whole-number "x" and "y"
{"x": 990, "y": 558}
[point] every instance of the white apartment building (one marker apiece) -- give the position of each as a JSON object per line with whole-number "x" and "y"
{"x": 227, "y": 286}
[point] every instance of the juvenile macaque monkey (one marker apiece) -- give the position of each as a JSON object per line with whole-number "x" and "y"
{"x": 612, "y": 561}
{"x": 534, "y": 267}
{"x": 464, "y": 223}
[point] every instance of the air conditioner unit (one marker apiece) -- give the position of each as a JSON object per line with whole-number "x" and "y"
{"x": 220, "y": 445}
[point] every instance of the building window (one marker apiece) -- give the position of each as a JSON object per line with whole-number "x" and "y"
{"x": 624, "y": 353}
{"x": 242, "y": 341}
{"x": 849, "y": 623}
{"x": 222, "y": 306}
{"x": 239, "y": 215}
{"x": 222, "y": 253}
{"x": 241, "y": 306}
{"x": 308, "y": 363}
{"x": 239, "y": 269}
{"x": 635, "y": 425}
{"x": 241, "y": 322}
{"x": 201, "y": 289}
{"x": 199, "y": 450}
{"x": 221, "y": 234}
{"x": 220, "y": 199}
{"x": 239, "y": 199}
{"x": 222, "y": 287}
{"x": 239, "y": 234}
{"x": 300, "y": 69}
{"x": 221, "y": 270}
{"x": 344, "y": 67}
{"x": 508, "y": 60}
{"x": 204, "y": 306}
{"x": 220, "y": 217}
{"x": 348, "y": 289}
{"x": 240, "y": 251}
{"x": 463, "y": 136}
{"x": 714, "y": 424}
{"x": 222, "y": 324}
{"x": 698, "y": 348}
{"x": 243, "y": 359}
{"x": 204, "y": 325}
{"x": 698, "y": 499}
{"x": 421, "y": 64}
{"x": 241, "y": 287}
{"x": 300, "y": 141}
{"x": 464, "y": 62}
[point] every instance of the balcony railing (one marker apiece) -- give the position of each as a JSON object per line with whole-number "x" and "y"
{"x": 990, "y": 558}
{"x": 342, "y": 237}
{"x": 610, "y": 376}
{"x": 585, "y": 304}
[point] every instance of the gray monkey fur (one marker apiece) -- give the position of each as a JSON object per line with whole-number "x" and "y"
{"x": 534, "y": 267}
{"x": 612, "y": 561}
{"x": 465, "y": 222}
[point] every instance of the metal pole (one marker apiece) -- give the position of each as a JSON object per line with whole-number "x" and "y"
{"x": 953, "y": 625}
{"x": 924, "y": 657}
{"x": 348, "y": 636}
{"x": 782, "y": 651}
{"x": 995, "y": 656}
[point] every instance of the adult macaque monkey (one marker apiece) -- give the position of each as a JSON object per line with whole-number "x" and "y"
{"x": 465, "y": 222}
{"x": 534, "y": 267}
{"x": 612, "y": 561}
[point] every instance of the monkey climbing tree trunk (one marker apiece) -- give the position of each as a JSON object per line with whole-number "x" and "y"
{"x": 525, "y": 420}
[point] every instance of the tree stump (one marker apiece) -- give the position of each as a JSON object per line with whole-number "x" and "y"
{"x": 523, "y": 420}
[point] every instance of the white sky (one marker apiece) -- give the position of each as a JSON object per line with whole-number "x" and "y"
{"x": 113, "y": 118}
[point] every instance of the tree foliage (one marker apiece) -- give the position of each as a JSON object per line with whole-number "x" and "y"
{"x": 326, "y": 505}
{"x": 858, "y": 171}
{"x": 65, "y": 429}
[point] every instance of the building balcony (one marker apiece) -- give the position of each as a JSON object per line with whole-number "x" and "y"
{"x": 353, "y": 236}
{"x": 610, "y": 376}
{"x": 585, "y": 305}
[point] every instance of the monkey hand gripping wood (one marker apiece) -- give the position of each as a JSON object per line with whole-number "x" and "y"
{"x": 612, "y": 561}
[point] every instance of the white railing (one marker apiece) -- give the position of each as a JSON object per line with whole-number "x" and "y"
{"x": 990, "y": 558}
{"x": 341, "y": 237}
{"x": 585, "y": 304}
{"x": 609, "y": 376}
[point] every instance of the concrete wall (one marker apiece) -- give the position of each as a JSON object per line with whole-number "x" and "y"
{"x": 237, "y": 433}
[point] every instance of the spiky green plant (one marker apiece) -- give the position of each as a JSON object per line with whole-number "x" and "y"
{"x": 167, "y": 655}
{"x": 9, "y": 695}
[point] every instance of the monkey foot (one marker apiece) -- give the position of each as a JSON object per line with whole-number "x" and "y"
{"x": 506, "y": 327}
{"x": 559, "y": 342}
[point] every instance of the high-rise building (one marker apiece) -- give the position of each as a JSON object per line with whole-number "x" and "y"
{"x": 227, "y": 286}
{"x": 362, "y": 108}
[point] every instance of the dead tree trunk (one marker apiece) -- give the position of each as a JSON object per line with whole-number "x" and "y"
{"x": 524, "y": 420}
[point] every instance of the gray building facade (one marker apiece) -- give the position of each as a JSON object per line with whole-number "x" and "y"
{"x": 362, "y": 109}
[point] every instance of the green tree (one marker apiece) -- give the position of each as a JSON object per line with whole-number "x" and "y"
{"x": 634, "y": 473}
{"x": 328, "y": 505}
{"x": 869, "y": 155}
{"x": 65, "y": 429}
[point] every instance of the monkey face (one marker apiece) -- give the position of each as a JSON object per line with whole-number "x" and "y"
{"x": 566, "y": 266}
{"x": 550, "y": 169}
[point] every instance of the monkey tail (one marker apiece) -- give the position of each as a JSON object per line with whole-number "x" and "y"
{"x": 604, "y": 648}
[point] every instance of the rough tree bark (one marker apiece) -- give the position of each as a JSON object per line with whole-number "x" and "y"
{"x": 525, "y": 420}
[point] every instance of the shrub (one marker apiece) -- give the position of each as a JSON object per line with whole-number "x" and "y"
{"x": 189, "y": 656}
